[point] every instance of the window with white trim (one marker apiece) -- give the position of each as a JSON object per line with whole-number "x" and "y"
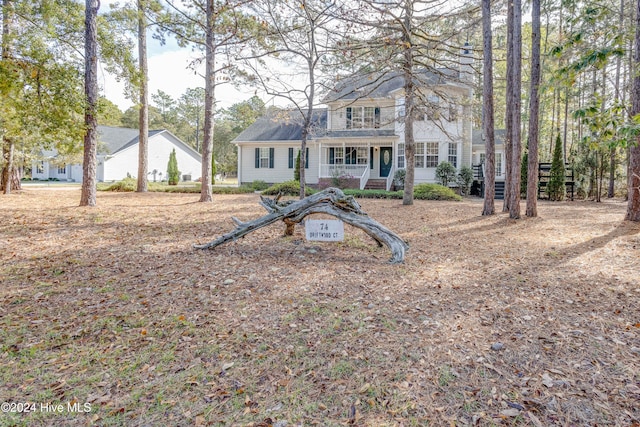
{"x": 62, "y": 169}
{"x": 264, "y": 157}
{"x": 431, "y": 154}
{"x": 363, "y": 117}
{"x": 361, "y": 156}
{"x": 498, "y": 161}
{"x": 400, "y": 156}
{"x": 453, "y": 154}
{"x": 419, "y": 154}
{"x": 40, "y": 167}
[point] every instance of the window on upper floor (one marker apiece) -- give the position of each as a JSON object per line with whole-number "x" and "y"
{"x": 363, "y": 117}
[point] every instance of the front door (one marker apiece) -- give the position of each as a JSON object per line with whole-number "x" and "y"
{"x": 386, "y": 160}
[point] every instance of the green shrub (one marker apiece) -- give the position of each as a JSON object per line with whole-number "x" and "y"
{"x": 556, "y": 186}
{"x": 288, "y": 188}
{"x": 296, "y": 170}
{"x": 172, "y": 169}
{"x": 445, "y": 173}
{"x": 127, "y": 184}
{"x": 373, "y": 194}
{"x": 465, "y": 179}
{"x": 434, "y": 192}
{"x": 398, "y": 178}
{"x": 258, "y": 185}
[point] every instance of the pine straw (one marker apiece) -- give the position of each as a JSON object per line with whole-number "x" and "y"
{"x": 111, "y": 306}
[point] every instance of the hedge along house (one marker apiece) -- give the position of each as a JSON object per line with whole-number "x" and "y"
{"x": 359, "y": 137}
{"x": 118, "y": 157}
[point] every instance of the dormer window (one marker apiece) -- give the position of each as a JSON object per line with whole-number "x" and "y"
{"x": 363, "y": 117}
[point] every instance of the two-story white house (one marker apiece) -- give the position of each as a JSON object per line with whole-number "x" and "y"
{"x": 360, "y": 134}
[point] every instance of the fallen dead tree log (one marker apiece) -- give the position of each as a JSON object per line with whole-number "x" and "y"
{"x": 331, "y": 201}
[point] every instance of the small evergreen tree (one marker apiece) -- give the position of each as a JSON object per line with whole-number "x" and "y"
{"x": 173, "y": 174}
{"x": 445, "y": 173}
{"x": 296, "y": 169}
{"x": 465, "y": 179}
{"x": 524, "y": 174}
{"x": 556, "y": 186}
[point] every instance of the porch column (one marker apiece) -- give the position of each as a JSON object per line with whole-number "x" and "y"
{"x": 319, "y": 160}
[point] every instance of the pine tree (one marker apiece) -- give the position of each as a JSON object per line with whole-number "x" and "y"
{"x": 556, "y": 186}
{"x": 173, "y": 173}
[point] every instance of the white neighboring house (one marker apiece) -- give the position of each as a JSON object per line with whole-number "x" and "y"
{"x": 360, "y": 135}
{"x": 118, "y": 158}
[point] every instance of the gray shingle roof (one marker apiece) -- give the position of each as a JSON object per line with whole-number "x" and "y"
{"x": 283, "y": 126}
{"x": 376, "y": 85}
{"x": 113, "y": 139}
{"x": 476, "y": 138}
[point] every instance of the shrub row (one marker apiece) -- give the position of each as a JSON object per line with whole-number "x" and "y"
{"x": 292, "y": 188}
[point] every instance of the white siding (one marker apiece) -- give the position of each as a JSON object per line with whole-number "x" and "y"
{"x": 280, "y": 171}
{"x": 160, "y": 146}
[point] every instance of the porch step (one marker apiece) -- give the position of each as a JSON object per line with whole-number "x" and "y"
{"x": 376, "y": 184}
{"x": 499, "y": 190}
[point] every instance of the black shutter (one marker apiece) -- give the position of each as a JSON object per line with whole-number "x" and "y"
{"x": 377, "y": 118}
{"x": 257, "y": 158}
{"x": 332, "y": 156}
{"x": 371, "y": 158}
{"x": 348, "y": 117}
{"x": 271, "y": 151}
{"x": 306, "y": 159}
{"x": 290, "y": 158}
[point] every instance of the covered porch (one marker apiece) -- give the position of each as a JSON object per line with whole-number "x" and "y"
{"x": 357, "y": 164}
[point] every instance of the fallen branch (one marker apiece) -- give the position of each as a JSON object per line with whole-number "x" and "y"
{"x": 331, "y": 201}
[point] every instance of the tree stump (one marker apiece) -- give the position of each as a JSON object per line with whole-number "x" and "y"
{"x": 331, "y": 201}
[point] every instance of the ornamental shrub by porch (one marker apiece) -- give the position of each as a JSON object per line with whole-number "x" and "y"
{"x": 445, "y": 173}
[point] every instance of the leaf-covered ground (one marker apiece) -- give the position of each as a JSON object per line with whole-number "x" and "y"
{"x": 488, "y": 322}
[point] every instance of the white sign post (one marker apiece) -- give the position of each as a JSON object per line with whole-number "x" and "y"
{"x": 326, "y": 230}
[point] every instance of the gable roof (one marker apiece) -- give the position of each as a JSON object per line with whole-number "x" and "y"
{"x": 381, "y": 85}
{"x": 283, "y": 125}
{"x": 114, "y": 139}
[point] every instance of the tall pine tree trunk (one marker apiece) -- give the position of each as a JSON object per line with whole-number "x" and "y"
{"x": 488, "y": 126}
{"x": 9, "y": 176}
{"x": 516, "y": 102}
{"x": 534, "y": 104}
{"x": 206, "y": 193}
{"x": 409, "y": 142}
{"x": 633, "y": 205}
{"x": 508, "y": 119}
{"x": 143, "y": 137}
{"x": 88, "y": 195}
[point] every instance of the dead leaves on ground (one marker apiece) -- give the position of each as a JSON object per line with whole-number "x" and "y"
{"x": 112, "y": 306}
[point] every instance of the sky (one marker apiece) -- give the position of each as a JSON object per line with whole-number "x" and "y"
{"x": 169, "y": 72}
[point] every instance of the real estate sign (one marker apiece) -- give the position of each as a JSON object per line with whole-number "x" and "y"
{"x": 326, "y": 230}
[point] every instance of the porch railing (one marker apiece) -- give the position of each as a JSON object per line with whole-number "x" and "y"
{"x": 392, "y": 172}
{"x": 364, "y": 178}
{"x": 360, "y": 172}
